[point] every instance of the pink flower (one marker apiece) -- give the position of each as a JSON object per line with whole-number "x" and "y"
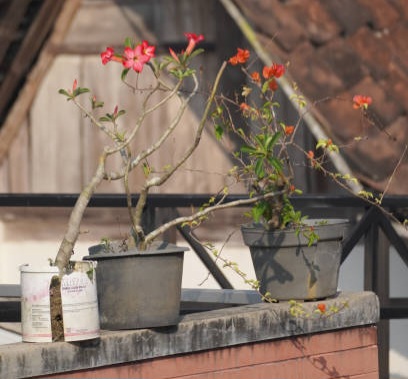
{"x": 193, "y": 39}
{"x": 107, "y": 55}
{"x": 148, "y": 50}
{"x": 134, "y": 58}
{"x": 174, "y": 55}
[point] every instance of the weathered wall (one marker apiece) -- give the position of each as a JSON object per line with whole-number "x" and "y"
{"x": 56, "y": 149}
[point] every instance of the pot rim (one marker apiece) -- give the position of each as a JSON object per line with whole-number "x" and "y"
{"x": 99, "y": 251}
{"x": 315, "y": 222}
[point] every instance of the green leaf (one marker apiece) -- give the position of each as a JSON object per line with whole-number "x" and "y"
{"x": 219, "y": 131}
{"x": 120, "y": 136}
{"x": 248, "y": 149}
{"x": 80, "y": 91}
{"x": 259, "y": 168}
{"x": 146, "y": 169}
{"x": 275, "y": 138}
{"x": 196, "y": 52}
{"x": 129, "y": 42}
{"x": 276, "y": 164}
{"x": 265, "y": 87}
{"x": 120, "y": 113}
{"x": 124, "y": 74}
{"x": 64, "y": 92}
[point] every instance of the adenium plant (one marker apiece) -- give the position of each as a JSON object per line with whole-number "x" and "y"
{"x": 135, "y": 59}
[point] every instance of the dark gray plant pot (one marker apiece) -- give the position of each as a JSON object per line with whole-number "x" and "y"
{"x": 138, "y": 289}
{"x": 288, "y": 269}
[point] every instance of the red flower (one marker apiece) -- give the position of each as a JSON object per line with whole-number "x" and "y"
{"x": 245, "y": 109}
{"x": 360, "y": 101}
{"x": 310, "y": 155}
{"x": 256, "y": 77}
{"x": 107, "y": 55}
{"x": 289, "y": 130}
{"x": 273, "y": 85}
{"x": 275, "y": 70}
{"x": 240, "y": 57}
{"x": 193, "y": 39}
{"x": 321, "y": 307}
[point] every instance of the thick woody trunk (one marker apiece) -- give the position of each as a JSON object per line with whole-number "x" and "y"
{"x": 67, "y": 245}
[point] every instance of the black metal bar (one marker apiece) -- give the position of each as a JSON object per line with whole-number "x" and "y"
{"x": 10, "y": 311}
{"x": 395, "y": 239}
{"x": 185, "y": 200}
{"x": 356, "y": 234}
{"x": 383, "y": 333}
{"x": 215, "y": 271}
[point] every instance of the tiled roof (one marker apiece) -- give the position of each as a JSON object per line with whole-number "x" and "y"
{"x": 340, "y": 48}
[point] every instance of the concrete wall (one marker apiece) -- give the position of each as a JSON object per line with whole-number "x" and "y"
{"x": 254, "y": 341}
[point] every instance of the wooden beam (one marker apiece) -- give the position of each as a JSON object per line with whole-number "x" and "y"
{"x": 28, "y": 50}
{"x": 20, "y": 108}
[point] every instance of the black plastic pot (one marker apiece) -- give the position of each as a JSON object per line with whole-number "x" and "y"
{"x": 138, "y": 289}
{"x": 288, "y": 268}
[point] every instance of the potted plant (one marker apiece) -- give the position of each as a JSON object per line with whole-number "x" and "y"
{"x": 293, "y": 257}
{"x": 120, "y": 275}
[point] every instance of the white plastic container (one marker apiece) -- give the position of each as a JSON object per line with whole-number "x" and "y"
{"x": 79, "y": 302}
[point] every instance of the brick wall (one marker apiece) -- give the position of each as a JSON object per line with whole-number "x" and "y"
{"x": 346, "y": 353}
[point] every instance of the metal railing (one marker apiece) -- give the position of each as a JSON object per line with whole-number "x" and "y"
{"x": 370, "y": 225}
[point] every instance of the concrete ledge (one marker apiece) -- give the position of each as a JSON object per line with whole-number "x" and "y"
{"x": 196, "y": 332}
